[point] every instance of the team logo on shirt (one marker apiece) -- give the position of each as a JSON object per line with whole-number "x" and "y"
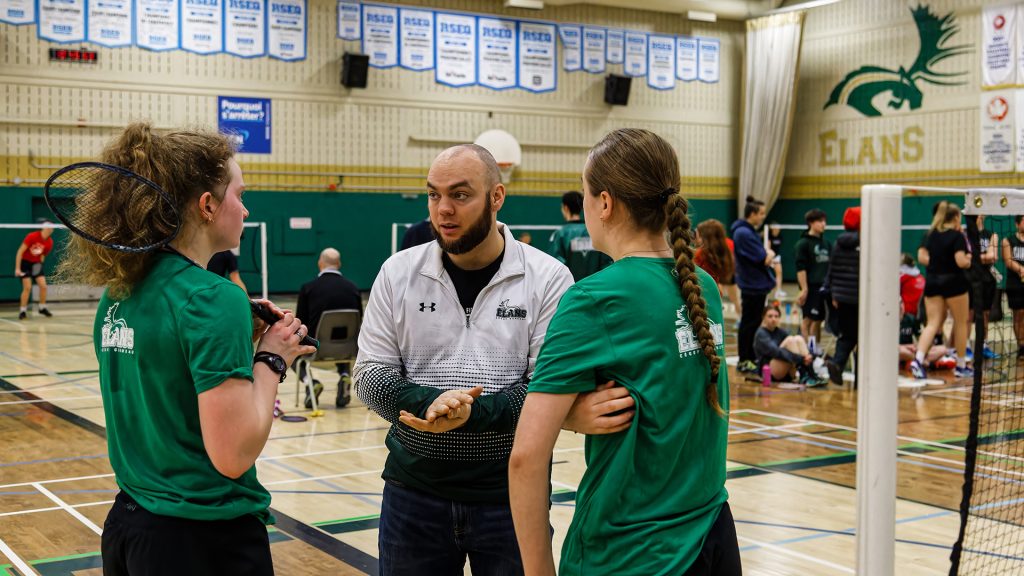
{"x": 689, "y": 345}
{"x": 116, "y": 334}
{"x": 821, "y": 255}
{"x": 581, "y": 244}
{"x": 424, "y": 307}
{"x": 505, "y": 310}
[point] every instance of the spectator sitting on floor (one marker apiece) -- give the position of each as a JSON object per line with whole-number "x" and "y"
{"x": 910, "y": 330}
{"x": 787, "y": 355}
{"x": 911, "y": 285}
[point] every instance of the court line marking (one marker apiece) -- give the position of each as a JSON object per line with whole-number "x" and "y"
{"x": 55, "y": 508}
{"x": 49, "y": 372}
{"x": 20, "y": 564}
{"x": 795, "y": 554}
{"x": 64, "y": 505}
{"x": 38, "y": 400}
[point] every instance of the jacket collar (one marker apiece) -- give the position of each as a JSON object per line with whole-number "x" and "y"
{"x": 512, "y": 264}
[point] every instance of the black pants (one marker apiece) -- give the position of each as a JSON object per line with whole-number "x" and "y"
{"x": 721, "y": 553}
{"x": 847, "y": 340}
{"x": 750, "y": 319}
{"x": 138, "y": 542}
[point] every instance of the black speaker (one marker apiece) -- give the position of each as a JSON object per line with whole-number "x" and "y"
{"x": 353, "y": 70}
{"x": 616, "y": 89}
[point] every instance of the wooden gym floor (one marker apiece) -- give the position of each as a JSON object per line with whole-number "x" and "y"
{"x": 791, "y": 468}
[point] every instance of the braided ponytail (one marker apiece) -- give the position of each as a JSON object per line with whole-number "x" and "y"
{"x": 696, "y": 307}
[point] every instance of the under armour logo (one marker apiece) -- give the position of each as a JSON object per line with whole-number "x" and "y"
{"x": 424, "y": 307}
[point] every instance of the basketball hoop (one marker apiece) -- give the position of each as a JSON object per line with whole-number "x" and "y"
{"x": 506, "y": 169}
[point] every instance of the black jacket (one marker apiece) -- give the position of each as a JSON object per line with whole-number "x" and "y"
{"x": 844, "y": 269}
{"x": 330, "y": 291}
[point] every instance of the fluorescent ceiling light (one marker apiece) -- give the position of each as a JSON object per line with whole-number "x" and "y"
{"x": 701, "y": 16}
{"x": 528, "y": 4}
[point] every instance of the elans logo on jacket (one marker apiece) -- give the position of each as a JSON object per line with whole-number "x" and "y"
{"x": 513, "y": 311}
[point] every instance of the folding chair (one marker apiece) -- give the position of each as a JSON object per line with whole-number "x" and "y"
{"x": 338, "y": 333}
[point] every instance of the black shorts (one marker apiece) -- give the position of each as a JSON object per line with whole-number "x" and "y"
{"x": 1015, "y": 298}
{"x": 31, "y": 269}
{"x": 986, "y": 288}
{"x": 814, "y": 307}
{"x": 946, "y": 285}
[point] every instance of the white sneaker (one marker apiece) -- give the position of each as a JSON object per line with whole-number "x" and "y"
{"x": 780, "y": 293}
{"x": 820, "y": 369}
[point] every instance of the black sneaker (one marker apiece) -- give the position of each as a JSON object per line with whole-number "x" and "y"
{"x": 835, "y": 373}
{"x": 45, "y": 312}
{"x": 22, "y": 315}
{"x": 344, "y": 391}
{"x": 318, "y": 387}
{"x": 747, "y": 367}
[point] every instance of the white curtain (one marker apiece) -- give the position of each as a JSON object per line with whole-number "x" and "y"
{"x": 770, "y": 78}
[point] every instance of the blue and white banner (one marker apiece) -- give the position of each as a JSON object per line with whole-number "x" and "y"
{"x": 350, "y": 18}
{"x": 416, "y": 29}
{"x": 455, "y": 59}
{"x": 156, "y": 24}
{"x": 496, "y": 53}
{"x": 245, "y": 25}
{"x": 538, "y": 68}
{"x": 17, "y": 11}
{"x": 661, "y": 62}
{"x": 594, "y": 41}
{"x": 246, "y": 121}
{"x": 571, "y": 49}
{"x": 110, "y": 22}
{"x": 286, "y": 29}
{"x": 202, "y": 26}
{"x": 686, "y": 58}
{"x": 636, "y": 54}
{"x": 616, "y": 46}
{"x": 62, "y": 20}
{"x": 710, "y": 59}
{"x": 380, "y": 35}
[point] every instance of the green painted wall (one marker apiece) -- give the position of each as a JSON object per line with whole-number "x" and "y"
{"x": 357, "y": 224}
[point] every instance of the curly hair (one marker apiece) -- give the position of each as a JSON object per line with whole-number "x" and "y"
{"x": 185, "y": 164}
{"x": 641, "y": 170}
{"x": 716, "y": 250}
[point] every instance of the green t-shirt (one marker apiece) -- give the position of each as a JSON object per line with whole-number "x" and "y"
{"x": 571, "y": 245}
{"x": 650, "y": 493}
{"x": 812, "y": 255}
{"x": 182, "y": 331}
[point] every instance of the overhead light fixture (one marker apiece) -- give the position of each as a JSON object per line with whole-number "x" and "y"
{"x": 698, "y": 15}
{"x": 528, "y": 4}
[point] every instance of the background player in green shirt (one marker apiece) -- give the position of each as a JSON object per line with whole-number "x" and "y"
{"x": 653, "y": 498}
{"x": 571, "y": 244}
{"x": 186, "y": 411}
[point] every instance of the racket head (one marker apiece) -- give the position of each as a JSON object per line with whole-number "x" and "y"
{"x": 79, "y": 196}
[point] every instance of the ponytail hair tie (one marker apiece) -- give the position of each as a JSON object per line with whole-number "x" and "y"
{"x": 666, "y": 193}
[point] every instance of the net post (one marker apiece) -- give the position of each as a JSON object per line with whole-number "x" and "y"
{"x": 263, "y": 258}
{"x": 394, "y": 237}
{"x": 877, "y": 397}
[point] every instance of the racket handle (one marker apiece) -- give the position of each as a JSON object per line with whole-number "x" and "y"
{"x": 269, "y": 317}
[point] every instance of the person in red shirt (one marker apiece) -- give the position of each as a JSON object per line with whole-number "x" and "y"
{"x": 715, "y": 256}
{"x": 28, "y": 265}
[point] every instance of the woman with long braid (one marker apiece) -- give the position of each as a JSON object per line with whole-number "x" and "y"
{"x": 653, "y": 498}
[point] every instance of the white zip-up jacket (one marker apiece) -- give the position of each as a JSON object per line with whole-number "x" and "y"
{"x": 416, "y": 341}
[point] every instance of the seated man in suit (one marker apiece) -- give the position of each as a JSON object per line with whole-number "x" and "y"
{"x": 329, "y": 291}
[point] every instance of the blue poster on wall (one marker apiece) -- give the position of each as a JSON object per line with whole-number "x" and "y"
{"x": 246, "y": 121}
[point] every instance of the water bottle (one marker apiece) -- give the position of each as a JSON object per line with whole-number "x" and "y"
{"x": 766, "y": 376}
{"x": 812, "y": 345}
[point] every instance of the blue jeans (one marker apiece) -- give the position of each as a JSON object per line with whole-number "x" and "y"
{"x": 423, "y": 535}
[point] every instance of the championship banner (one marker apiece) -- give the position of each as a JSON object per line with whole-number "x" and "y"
{"x": 350, "y": 18}
{"x": 636, "y": 54}
{"x": 110, "y": 22}
{"x": 416, "y": 34}
{"x": 156, "y": 24}
{"x": 202, "y": 26}
{"x": 245, "y": 24}
{"x": 594, "y": 41}
{"x": 455, "y": 36}
{"x": 997, "y": 132}
{"x": 1018, "y": 117}
{"x": 17, "y": 12}
{"x": 616, "y": 46}
{"x": 286, "y": 29}
{"x": 380, "y": 35}
{"x": 538, "y": 69}
{"x": 496, "y": 53}
{"x": 61, "y": 20}
{"x": 661, "y": 62}
{"x": 709, "y": 68}
{"x": 571, "y": 49}
{"x": 998, "y": 49}
{"x": 686, "y": 58}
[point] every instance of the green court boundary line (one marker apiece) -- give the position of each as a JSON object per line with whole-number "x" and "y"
{"x": 63, "y": 373}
